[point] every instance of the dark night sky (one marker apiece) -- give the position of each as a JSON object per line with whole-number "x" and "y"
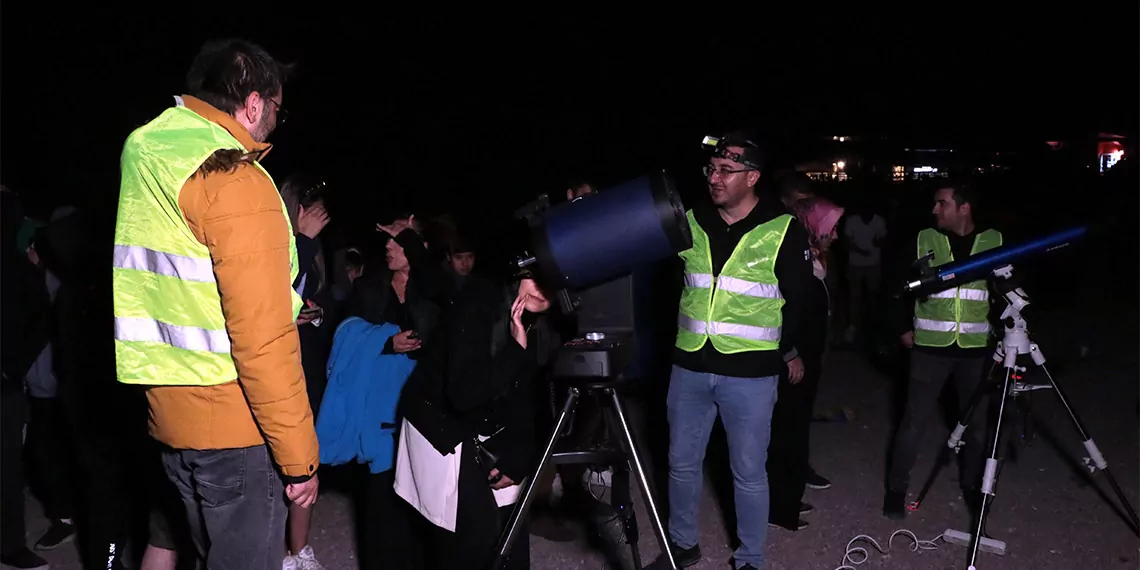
{"x": 387, "y": 106}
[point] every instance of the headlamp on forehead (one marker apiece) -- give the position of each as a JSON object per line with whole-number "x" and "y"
{"x": 719, "y": 147}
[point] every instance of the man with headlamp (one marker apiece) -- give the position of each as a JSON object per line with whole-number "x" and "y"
{"x": 737, "y": 327}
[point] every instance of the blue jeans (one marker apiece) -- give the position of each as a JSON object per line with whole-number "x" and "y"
{"x": 745, "y": 406}
{"x": 236, "y": 505}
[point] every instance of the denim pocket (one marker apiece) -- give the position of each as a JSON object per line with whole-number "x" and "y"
{"x": 219, "y": 476}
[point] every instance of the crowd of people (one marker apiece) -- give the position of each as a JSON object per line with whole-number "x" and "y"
{"x": 254, "y": 374}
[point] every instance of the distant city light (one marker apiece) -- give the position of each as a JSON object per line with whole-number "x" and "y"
{"x": 841, "y": 165}
{"x": 1109, "y": 160}
{"x": 1108, "y": 154}
{"x": 925, "y": 169}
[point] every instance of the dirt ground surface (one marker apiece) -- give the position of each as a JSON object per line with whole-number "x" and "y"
{"x": 1045, "y": 512}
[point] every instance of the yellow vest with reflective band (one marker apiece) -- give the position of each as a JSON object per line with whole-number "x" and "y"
{"x": 169, "y": 326}
{"x": 739, "y": 310}
{"x": 960, "y": 314}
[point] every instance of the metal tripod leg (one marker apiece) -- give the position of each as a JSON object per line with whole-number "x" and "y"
{"x": 953, "y": 443}
{"x": 621, "y": 501}
{"x": 642, "y": 480}
{"x": 989, "y": 478}
{"x": 1096, "y": 459}
{"x": 522, "y": 508}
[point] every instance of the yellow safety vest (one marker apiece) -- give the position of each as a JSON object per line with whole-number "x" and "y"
{"x": 169, "y": 326}
{"x": 739, "y": 310}
{"x": 960, "y": 314}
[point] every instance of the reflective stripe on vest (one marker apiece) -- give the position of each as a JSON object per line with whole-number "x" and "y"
{"x": 139, "y": 329}
{"x": 169, "y": 325}
{"x": 958, "y": 315}
{"x": 168, "y": 264}
{"x": 739, "y": 310}
{"x": 187, "y": 338}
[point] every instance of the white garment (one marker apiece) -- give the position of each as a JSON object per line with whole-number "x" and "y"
{"x": 429, "y": 482}
{"x": 863, "y": 234}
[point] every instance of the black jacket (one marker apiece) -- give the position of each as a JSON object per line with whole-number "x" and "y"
{"x": 428, "y": 287}
{"x": 26, "y": 302}
{"x": 27, "y": 311}
{"x": 473, "y": 379}
{"x": 83, "y": 322}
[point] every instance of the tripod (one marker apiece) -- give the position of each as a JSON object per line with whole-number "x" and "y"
{"x": 1014, "y": 343}
{"x": 627, "y": 456}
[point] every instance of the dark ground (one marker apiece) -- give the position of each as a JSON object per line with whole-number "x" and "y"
{"x": 1043, "y": 510}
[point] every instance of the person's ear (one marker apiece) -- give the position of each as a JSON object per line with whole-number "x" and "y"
{"x": 753, "y": 178}
{"x": 254, "y": 107}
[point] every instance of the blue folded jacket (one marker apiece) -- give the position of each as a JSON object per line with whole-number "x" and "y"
{"x": 358, "y": 413}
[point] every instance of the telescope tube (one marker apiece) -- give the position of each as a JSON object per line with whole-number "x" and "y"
{"x": 988, "y": 261}
{"x": 602, "y": 236}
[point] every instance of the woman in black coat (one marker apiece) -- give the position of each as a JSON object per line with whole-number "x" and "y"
{"x": 472, "y": 389}
{"x": 406, "y": 289}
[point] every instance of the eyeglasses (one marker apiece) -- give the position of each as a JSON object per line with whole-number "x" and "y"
{"x": 282, "y": 112}
{"x": 709, "y": 170}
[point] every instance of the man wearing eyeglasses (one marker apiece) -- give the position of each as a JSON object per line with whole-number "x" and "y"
{"x": 736, "y": 336}
{"x": 205, "y": 311}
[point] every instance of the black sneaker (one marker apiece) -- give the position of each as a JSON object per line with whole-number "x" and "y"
{"x": 894, "y": 505}
{"x": 24, "y": 559}
{"x": 806, "y": 508}
{"x": 748, "y": 567}
{"x": 59, "y": 533}
{"x": 817, "y": 481}
{"x": 798, "y": 525}
{"x": 684, "y": 557}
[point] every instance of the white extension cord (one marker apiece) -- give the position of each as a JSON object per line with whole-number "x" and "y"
{"x": 849, "y": 561}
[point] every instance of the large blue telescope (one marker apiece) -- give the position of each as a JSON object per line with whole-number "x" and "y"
{"x": 600, "y": 237}
{"x": 944, "y": 276}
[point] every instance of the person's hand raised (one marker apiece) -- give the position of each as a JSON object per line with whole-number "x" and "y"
{"x": 311, "y": 220}
{"x": 393, "y": 229}
{"x": 518, "y": 331}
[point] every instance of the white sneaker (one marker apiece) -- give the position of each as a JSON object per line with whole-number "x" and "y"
{"x": 307, "y": 560}
{"x": 556, "y": 491}
{"x": 290, "y": 563}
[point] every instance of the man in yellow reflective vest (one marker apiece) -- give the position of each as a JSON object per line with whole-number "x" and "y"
{"x": 737, "y": 331}
{"x": 205, "y": 312}
{"x": 948, "y": 334}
